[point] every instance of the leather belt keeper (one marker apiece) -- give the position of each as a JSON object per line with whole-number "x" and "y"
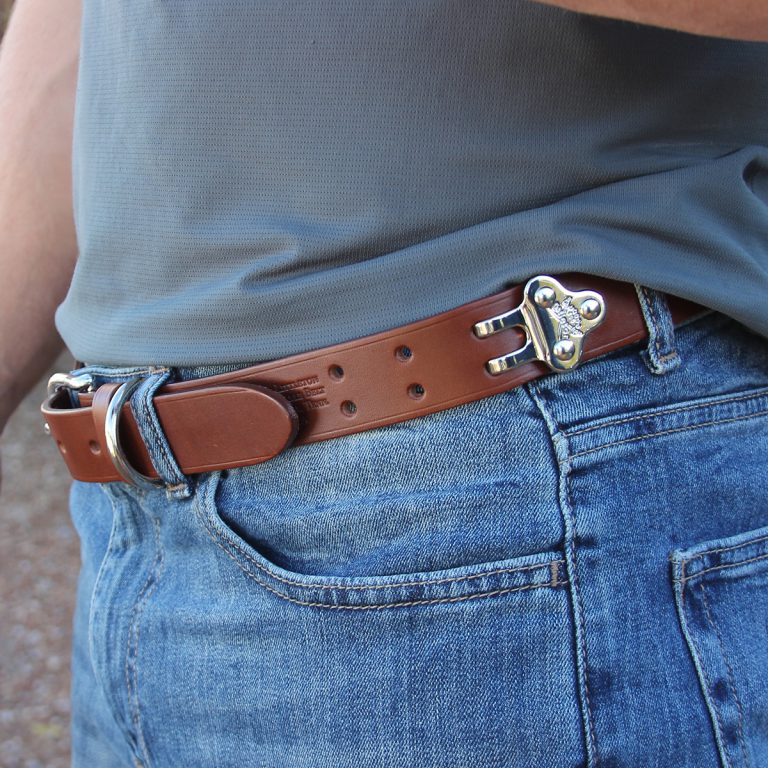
{"x": 250, "y": 415}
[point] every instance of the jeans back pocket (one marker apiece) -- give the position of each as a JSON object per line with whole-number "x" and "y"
{"x": 721, "y": 591}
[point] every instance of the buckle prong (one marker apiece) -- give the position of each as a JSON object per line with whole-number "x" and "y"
{"x": 555, "y": 320}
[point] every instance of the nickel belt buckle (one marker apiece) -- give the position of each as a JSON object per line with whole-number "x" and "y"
{"x": 555, "y": 320}
{"x": 84, "y": 381}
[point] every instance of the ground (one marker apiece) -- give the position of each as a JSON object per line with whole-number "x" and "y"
{"x": 38, "y": 569}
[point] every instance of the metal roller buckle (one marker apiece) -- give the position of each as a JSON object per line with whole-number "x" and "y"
{"x": 555, "y": 320}
{"x": 78, "y": 382}
{"x": 112, "y": 439}
{"x": 84, "y": 382}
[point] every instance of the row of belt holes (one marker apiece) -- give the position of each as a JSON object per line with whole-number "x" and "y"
{"x": 93, "y": 447}
{"x": 403, "y": 354}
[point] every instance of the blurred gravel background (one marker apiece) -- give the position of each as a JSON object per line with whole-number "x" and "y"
{"x": 5, "y": 9}
{"x": 38, "y": 569}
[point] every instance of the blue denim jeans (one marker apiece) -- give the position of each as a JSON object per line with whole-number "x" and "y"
{"x": 572, "y": 573}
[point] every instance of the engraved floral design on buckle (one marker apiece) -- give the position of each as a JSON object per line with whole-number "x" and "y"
{"x": 556, "y": 322}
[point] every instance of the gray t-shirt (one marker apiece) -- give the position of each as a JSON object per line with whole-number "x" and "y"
{"x": 255, "y": 178}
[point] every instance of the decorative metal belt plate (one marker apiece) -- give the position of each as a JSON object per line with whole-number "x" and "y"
{"x": 556, "y": 322}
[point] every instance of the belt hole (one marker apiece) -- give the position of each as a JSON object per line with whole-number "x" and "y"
{"x": 94, "y": 447}
{"x": 416, "y": 391}
{"x": 403, "y": 354}
{"x": 336, "y": 372}
{"x": 348, "y": 408}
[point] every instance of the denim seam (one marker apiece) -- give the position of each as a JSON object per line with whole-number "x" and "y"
{"x": 100, "y": 577}
{"x": 706, "y": 685}
{"x": 670, "y": 432}
{"x": 728, "y": 666}
{"x": 582, "y": 624}
{"x": 371, "y": 606}
{"x": 749, "y": 543}
{"x": 379, "y": 606}
{"x": 561, "y": 451}
{"x": 664, "y": 411}
{"x": 366, "y": 587}
{"x": 134, "y": 635}
{"x": 684, "y": 579}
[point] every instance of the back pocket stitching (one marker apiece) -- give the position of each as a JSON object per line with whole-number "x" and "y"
{"x": 685, "y": 578}
{"x": 725, "y": 549}
{"x": 728, "y": 666}
{"x": 661, "y": 433}
{"x": 704, "y": 679}
{"x": 716, "y": 402}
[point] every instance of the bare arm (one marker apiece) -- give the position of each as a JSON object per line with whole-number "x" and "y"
{"x": 739, "y": 19}
{"x": 38, "y": 71}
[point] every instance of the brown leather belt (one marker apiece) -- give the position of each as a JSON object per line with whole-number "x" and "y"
{"x": 252, "y": 414}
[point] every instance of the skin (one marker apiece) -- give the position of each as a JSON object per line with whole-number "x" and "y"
{"x": 738, "y": 19}
{"x": 38, "y": 68}
{"x": 38, "y": 71}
